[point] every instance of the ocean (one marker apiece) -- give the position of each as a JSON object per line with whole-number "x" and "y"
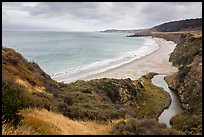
{"x": 69, "y": 56}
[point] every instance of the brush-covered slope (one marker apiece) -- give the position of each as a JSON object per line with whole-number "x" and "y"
{"x": 187, "y": 82}
{"x": 17, "y": 71}
{"x": 187, "y": 56}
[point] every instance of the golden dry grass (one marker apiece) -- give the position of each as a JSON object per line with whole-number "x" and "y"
{"x": 47, "y": 122}
{"x": 28, "y": 87}
{"x": 8, "y": 129}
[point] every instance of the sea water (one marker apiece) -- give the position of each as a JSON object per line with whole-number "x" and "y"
{"x": 69, "y": 56}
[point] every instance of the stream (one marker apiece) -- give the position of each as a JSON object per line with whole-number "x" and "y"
{"x": 175, "y": 106}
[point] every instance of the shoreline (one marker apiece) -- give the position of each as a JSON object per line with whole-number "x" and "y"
{"x": 157, "y": 61}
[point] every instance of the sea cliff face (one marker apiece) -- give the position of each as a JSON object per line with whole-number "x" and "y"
{"x": 175, "y": 37}
{"x": 187, "y": 82}
{"x": 187, "y": 56}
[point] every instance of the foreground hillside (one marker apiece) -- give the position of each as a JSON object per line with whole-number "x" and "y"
{"x": 33, "y": 103}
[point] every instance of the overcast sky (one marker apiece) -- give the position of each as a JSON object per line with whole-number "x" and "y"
{"x": 94, "y": 16}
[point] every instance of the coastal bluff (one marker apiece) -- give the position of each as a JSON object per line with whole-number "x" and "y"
{"x": 187, "y": 57}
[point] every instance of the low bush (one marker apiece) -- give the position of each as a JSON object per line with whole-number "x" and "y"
{"x": 79, "y": 105}
{"x": 12, "y": 103}
{"x": 142, "y": 127}
{"x": 188, "y": 123}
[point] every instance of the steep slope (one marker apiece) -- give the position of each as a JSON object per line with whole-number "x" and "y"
{"x": 187, "y": 56}
{"x": 187, "y": 82}
{"x": 16, "y": 69}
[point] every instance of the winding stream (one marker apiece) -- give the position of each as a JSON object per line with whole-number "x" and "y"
{"x": 175, "y": 106}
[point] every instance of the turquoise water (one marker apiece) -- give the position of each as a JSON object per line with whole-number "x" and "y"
{"x": 77, "y": 53}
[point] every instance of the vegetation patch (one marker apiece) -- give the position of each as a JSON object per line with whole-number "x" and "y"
{"x": 99, "y": 99}
{"x": 79, "y": 105}
{"x": 188, "y": 123}
{"x": 152, "y": 100}
{"x": 12, "y": 103}
{"x": 142, "y": 127}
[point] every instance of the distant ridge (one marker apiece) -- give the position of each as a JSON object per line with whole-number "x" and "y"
{"x": 172, "y": 26}
{"x": 125, "y": 31}
{"x": 181, "y": 25}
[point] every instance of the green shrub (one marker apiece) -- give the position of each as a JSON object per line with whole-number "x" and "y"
{"x": 188, "y": 123}
{"x": 12, "y": 103}
{"x": 79, "y": 105}
{"x": 109, "y": 88}
{"x": 125, "y": 128}
{"x": 40, "y": 100}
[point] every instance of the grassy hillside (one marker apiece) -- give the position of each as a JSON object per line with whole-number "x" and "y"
{"x": 44, "y": 122}
{"x": 17, "y": 71}
{"x": 100, "y": 100}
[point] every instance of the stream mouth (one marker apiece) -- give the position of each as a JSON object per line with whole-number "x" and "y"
{"x": 174, "y": 108}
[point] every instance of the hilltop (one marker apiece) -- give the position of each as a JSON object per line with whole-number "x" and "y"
{"x": 181, "y": 27}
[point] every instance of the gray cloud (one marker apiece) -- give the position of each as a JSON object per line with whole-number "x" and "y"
{"x": 98, "y": 15}
{"x": 53, "y": 9}
{"x": 157, "y": 13}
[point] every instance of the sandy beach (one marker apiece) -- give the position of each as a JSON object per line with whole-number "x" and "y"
{"x": 158, "y": 61}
